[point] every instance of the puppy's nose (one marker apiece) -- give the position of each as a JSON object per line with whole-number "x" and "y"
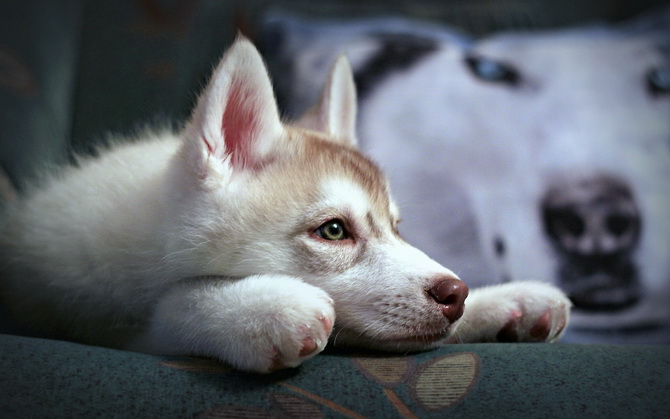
{"x": 450, "y": 293}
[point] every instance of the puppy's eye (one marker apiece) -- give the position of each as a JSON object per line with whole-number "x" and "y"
{"x": 492, "y": 71}
{"x": 332, "y": 230}
{"x": 658, "y": 81}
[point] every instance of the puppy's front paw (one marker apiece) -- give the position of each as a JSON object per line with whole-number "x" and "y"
{"x": 515, "y": 312}
{"x": 534, "y": 321}
{"x": 295, "y": 341}
{"x": 283, "y": 322}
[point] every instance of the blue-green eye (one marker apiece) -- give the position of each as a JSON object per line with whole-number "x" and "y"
{"x": 492, "y": 71}
{"x": 332, "y": 230}
{"x": 658, "y": 81}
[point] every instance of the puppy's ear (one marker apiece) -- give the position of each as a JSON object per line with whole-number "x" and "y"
{"x": 235, "y": 125}
{"x": 335, "y": 113}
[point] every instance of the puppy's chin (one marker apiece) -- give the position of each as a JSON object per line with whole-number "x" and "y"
{"x": 396, "y": 342}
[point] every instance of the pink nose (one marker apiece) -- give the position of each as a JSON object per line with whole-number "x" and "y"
{"x": 450, "y": 293}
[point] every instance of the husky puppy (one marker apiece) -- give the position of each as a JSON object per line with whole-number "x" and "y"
{"x": 247, "y": 240}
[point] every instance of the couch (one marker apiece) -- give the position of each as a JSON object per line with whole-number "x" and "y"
{"x": 45, "y": 378}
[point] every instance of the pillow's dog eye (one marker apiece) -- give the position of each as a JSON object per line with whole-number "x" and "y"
{"x": 332, "y": 230}
{"x": 492, "y": 71}
{"x": 658, "y": 81}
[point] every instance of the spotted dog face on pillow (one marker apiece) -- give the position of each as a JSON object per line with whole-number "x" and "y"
{"x": 541, "y": 155}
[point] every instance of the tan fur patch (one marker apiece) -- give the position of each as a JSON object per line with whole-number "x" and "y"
{"x": 323, "y": 156}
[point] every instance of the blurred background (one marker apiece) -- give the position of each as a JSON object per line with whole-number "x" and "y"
{"x": 72, "y": 70}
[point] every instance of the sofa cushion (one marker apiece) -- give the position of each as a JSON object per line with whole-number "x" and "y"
{"x": 40, "y": 378}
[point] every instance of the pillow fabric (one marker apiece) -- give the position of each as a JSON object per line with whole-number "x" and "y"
{"x": 47, "y": 378}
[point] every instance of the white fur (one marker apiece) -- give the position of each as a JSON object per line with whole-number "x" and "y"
{"x": 258, "y": 322}
{"x": 206, "y": 242}
{"x": 344, "y": 193}
{"x": 335, "y": 112}
{"x": 490, "y": 304}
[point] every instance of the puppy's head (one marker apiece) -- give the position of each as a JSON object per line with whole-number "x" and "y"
{"x": 259, "y": 197}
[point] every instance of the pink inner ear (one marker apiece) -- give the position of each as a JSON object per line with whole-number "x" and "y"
{"x": 240, "y": 124}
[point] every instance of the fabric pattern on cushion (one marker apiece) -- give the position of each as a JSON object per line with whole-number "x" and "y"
{"x": 61, "y": 379}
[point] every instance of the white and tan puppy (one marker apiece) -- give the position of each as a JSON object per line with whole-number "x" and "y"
{"x": 247, "y": 240}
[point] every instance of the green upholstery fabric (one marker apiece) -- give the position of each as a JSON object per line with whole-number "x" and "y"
{"x": 38, "y": 63}
{"x": 43, "y": 378}
{"x": 145, "y": 62}
{"x": 73, "y": 71}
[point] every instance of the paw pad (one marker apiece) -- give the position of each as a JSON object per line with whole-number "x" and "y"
{"x": 542, "y": 327}
{"x": 508, "y": 332}
{"x": 309, "y": 345}
{"x": 539, "y": 331}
